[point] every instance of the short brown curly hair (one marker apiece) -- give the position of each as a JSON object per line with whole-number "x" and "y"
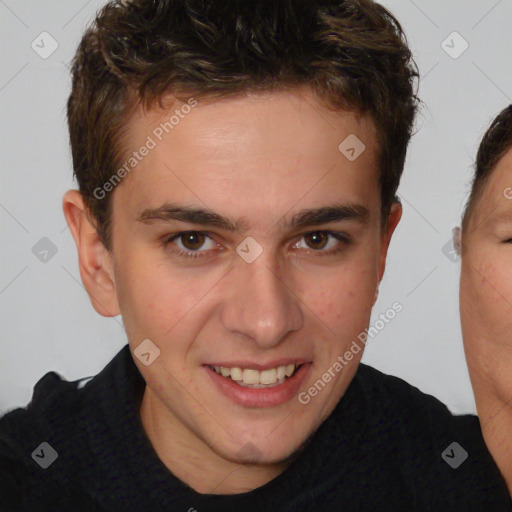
{"x": 352, "y": 53}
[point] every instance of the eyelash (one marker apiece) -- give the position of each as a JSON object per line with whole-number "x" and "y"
{"x": 200, "y": 254}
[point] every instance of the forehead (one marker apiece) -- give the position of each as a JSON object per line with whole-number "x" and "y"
{"x": 495, "y": 202}
{"x": 278, "y": 121}
{"x": 263, "y": 144}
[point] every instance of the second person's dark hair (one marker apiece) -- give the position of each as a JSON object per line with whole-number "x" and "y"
{"x": 494, "y": 144}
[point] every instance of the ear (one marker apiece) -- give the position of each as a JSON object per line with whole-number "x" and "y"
{"x": 95, "y": 262}
{"x": 394, "y": 217}
{"x": 457, "y": 240}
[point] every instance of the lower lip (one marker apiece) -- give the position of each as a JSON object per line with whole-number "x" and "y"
{"x": 260, "y": 397}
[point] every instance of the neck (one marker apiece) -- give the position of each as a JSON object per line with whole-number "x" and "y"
{"x": 193, "y": 461}
{"x": 496, "y": 422}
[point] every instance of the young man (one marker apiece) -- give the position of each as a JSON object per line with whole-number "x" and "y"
{"x": 486, "y": 288}
{"x": 237, "y": 165}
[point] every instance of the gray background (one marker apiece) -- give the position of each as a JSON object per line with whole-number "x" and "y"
{"x": 47, "y": 322}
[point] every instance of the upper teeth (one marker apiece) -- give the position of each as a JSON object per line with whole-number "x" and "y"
{"x": 249, "y": 376}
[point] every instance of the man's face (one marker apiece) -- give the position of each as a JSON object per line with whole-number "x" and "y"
{"x": 261, "y": 162}
{"x": 486, "y": 291}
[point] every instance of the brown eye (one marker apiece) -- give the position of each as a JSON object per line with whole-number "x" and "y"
{"x": 324, "y": 243}
{"x": 192, "y": 240}
{"x": 318, "y": 239}
{"x": 190, "y": 244}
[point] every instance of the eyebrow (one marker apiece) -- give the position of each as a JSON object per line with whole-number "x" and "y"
{"x": 498, "y": 219}
{"x": 204, "y": 217}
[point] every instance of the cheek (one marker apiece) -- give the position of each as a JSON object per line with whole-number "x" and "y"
{"x": 151, "y": 297}
{"x": 342, "y": 298}
{"x": 486, "y": 294}
{"x": 165, "y": 303}
{"x": 486, "y": 314}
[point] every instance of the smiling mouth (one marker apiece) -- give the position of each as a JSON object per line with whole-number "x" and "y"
{"x": 249, "y": 378}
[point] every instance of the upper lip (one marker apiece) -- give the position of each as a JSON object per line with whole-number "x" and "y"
{"x": 259, "y": 366}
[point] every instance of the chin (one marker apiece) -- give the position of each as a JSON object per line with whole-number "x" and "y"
{"x": 260, "y": 451}
{"x": 284, "y": 450}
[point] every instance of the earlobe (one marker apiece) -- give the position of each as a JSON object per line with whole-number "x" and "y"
{"x": 376, "y": 296}
{"x": 95, "y": 262}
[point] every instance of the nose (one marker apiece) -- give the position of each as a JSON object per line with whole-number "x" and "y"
{"x": 260, "y": 304}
